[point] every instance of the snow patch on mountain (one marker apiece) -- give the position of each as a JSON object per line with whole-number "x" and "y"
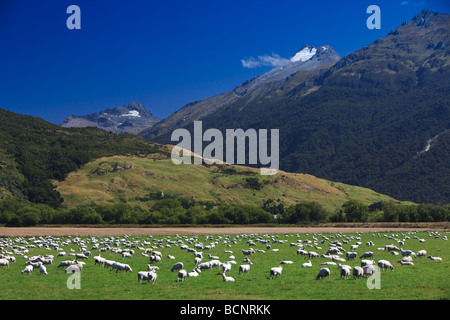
{"x": 304, "y": 55}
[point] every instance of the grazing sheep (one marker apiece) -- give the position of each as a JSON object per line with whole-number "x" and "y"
{"x": 407, "y": 253}
{"x": 226, "y": 267}
{"x": 121, "y": 266}
{"x": 152, "y": 275}
{"x": 358, "y": 272}
{"x": 28, "y": 269}
{"x": 155, "y": 258}
{"x": 143, "y": 275}
{"x": 244, "y": 268}
{"x": 368, "y": 254}
{"x": 127, "y": 255}
{"x": 248, "y": 252}
{"x": 152, "y": 268}
{"x": 197, "y": 260}
{"x": 421, "y": 253}
{"x": 182, "y": 274}
{"x": 384, "y": 264}
{"x": 307, "y": 264}
{"x": 213, "y": 257}
{"x": 74, "y": 268}
{"x": 194, "y": 273}
{"x": 405, "y": 263}
{"x": 324, "y": 272}
{"x": 205, "y": 265}
{"x": 302, "y": 252}
{"x": 177, "y": 266}
{"x": 338, "y": 259}
{"x": 4, "y": 262}
{"x": 275, "y": 272}
{"x": 313, "y": 254}
{"x": 286, "y": 262}
{"x": 170, "y": 257}
{"x": 345, "y": 272}
{"x": 351, "y": 255}
{"x": 108, "y": 263}
{"x": 43, "y": 270}
{"x": 227, "y": 279}
{"x": 368, "y": 270}
{"x": 434, "y": 258}
{"x": 99, "y": 260}
{"x": 367, "y": 262}
{"x": 328, "y": 263}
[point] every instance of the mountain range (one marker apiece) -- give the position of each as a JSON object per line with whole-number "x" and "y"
{"x": 131, "y": 118}
{"x": 377, "y": 118}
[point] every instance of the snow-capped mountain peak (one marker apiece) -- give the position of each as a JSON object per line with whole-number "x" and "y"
{"x": 304, "y": 54}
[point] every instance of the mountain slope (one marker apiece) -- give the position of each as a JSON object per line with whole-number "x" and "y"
{"x": 308, "y": 60}
{"x": 366, "y": 120}
{"x": 140, "y": 180}
{"x": 33, "y": 152}
{"x": 131, "y": 118}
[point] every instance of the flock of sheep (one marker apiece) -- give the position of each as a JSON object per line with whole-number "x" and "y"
{"x": 241, "y": 247}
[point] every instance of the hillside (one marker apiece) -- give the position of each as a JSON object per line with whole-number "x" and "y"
{"x": 33, "y": 152}
{"x": 142, "y": 180}
{"x": 378, "y": 118}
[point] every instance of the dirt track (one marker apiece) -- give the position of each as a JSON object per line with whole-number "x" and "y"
{"x": 104, "y": 231}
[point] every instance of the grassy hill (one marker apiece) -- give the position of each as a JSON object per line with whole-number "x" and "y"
{"x": 143, "y": 180}
{"x": 33, "y": 152}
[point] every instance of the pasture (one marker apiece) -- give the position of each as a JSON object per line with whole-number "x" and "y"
{"x": 425, "y": 280}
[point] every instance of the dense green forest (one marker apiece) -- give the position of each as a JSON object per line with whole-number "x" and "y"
{"x": 34, "y": 152}
{"x": 179, "y": 211}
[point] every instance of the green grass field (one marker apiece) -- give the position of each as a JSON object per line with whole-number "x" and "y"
{"x": 426, "y": 280}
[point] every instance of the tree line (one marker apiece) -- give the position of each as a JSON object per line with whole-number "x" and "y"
{"x": 174, "y": 211}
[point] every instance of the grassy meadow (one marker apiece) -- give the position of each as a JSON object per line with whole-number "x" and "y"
{"x": 425, "y": 280}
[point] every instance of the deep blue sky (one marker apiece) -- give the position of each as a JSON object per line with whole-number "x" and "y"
{"x": 165, "y": 53}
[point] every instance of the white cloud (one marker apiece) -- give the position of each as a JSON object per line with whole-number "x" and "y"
{"x": 420, "y": 3}
{"x": 272, "y": 61}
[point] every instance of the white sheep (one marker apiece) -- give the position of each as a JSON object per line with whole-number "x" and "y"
{"x": 205, "y": 265}
{"x": 421, "y": 253}
{"x": 307, "y": 264}
{"x": 182, "y": 274}
{"x": 434, "y": 258}
{"x": 368, "y": 270}
{"x": 351, "y": 255}
{"x": 286, "y": 262}
{"x": 405, "y": 263}
{"x": 177, "y": 266}
{"x": 407, "y": 253}
{"x": 28, "y": 269}
{"x": 367, "y": 262}
{"x": 4, "y": 262}
{"x": 275, "y": 272}
{"x": 345, "y": 272}
{"x": 146, "y": 275}
{"x": 384, "y": 264}
{"x": 152, "y": 275}
{"x": 368, "y": 254}
{"x": 226, "y": 278}
{"x": 226, "y": 267}
{"x": 43, "y": 270}
{"x": 155, "y": 258}
{"x": 121, "y": 267}
{"x": 194, "y": 273}
{"x": 74, "y": 268}
{"x": 358, "y": 272}
{"x": 324, "y": 272}
{"x": 244, "y": 268}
